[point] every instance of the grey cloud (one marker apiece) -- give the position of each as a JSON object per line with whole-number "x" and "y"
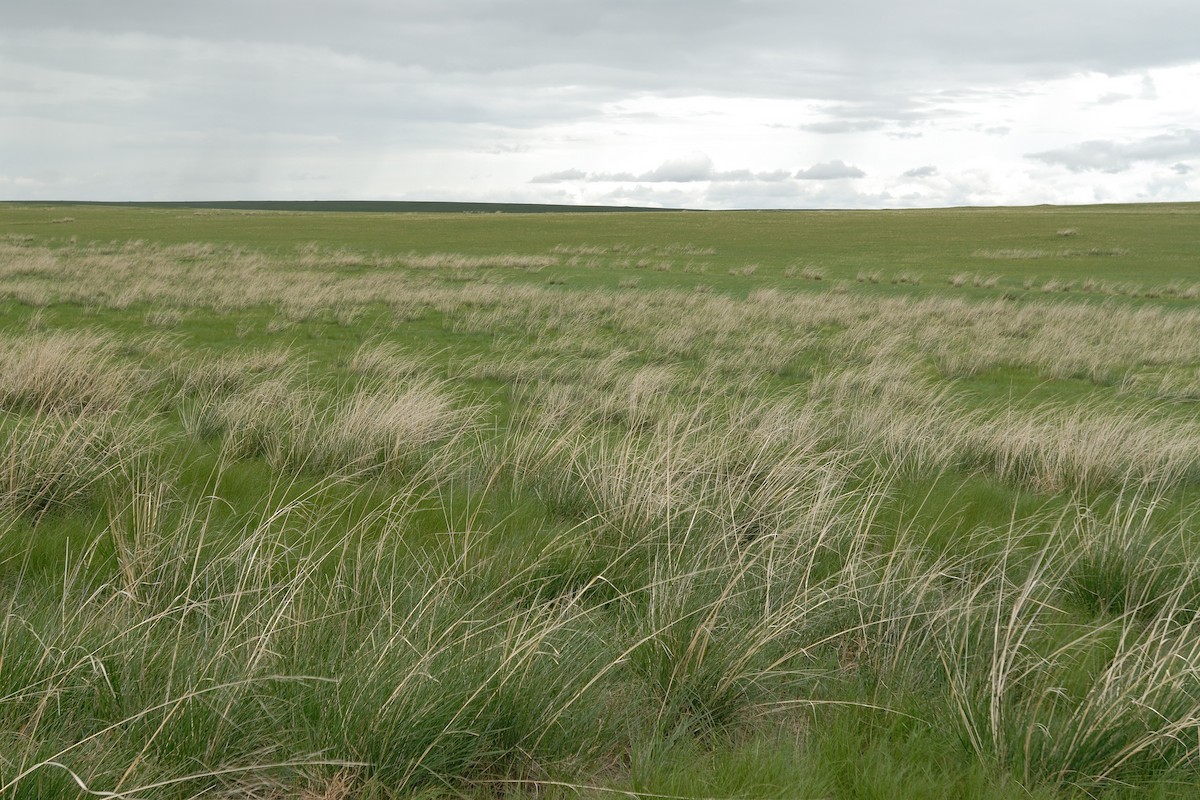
{"x": 1149, "y": 89}
{"x": 1181, "y": 169}
{"x": 794, "y": 195}
{"x": 746, "y": 176}
{"x": 998, "y": 130}
{"x": 1108, "y": 156}
{"x": 145, "y": 82}
{"x": 769, "y": 48}
{"x": 653, "y": 195}
{"x": 829, "y": 171}
{"x": 695, "y": 168}
{"x": 921, "y": 172}
{"x": 764, "y": 195}
{"x": 843, "y": 126}
{"x": 559, "y": 177}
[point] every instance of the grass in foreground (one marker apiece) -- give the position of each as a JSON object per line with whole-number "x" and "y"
{"x": 372, "y": 518}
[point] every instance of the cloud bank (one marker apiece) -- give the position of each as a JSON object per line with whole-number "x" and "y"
{"x": 1109, "y": 156}
{"x": 801, "y": 104}
{"x": 695, "y": 168}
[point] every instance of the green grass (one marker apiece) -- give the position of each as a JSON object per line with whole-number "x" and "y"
{"x": 597, "y": 505}
{"x": 1151, "y": 245}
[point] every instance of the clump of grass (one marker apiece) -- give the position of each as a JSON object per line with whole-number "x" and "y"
{"x": 386, "y": 431}
{"x": 220, "y": 376}
{"x": 315, "y": 255}
{"x": 1055, "y": 285}
{"x": 386, "y": 362}
{"x": 808, "y": 272}
{"x": 347, "y": 314}
{"x": 391, "y": 427}
{"x": 278, "y": 324}
{"x": 639, "y": 400}
{"x": 53, "y": 460}
{"x": 164, "y": 318}
{"x": 1060, "y": 448}
{"x": 1094, "y": 252}
{"x": 961, "y": 279}
{"x": 1173, "y": 384}
{"x": 67, "y": 372}
{"x": 265, "y": 419}
{"x": 1011, "y": 254}
{"x": 1069, "y": 706}
{"x": 1124, "y": 562}
{"x": 452, "y": 261}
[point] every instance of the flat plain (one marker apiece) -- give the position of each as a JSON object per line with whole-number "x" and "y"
{"x": 690, "y": 504}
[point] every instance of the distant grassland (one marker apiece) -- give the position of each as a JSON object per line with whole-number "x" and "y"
{"x": 1147, "y": 245}
{"x": 688, "y": 504}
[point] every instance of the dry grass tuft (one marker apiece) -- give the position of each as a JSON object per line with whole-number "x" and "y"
{"x": 67, "y": 372}
{"x": 52, "y": 460}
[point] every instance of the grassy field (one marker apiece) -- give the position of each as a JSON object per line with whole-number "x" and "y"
{"x": 691, "y": 504}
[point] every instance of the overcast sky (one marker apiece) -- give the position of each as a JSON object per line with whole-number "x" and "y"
{"x": 697, "y": 103}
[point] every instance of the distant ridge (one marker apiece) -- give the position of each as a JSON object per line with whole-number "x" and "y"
{"x": 364, "y": 206}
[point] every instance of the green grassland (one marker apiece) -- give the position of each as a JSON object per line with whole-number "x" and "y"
{"x": 682, "y": 504}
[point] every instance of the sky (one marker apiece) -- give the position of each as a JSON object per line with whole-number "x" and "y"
{"x": 673, "y": 103}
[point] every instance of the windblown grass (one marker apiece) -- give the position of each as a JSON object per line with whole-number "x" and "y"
{"x": 66, "y": 372}
{"x": 373, "y": 519}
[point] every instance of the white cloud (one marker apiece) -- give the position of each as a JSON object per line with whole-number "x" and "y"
{"x": 829, "y": 171}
